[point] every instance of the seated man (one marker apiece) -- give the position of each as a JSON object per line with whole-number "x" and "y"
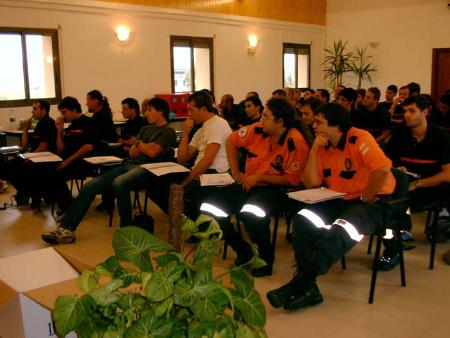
{"x": 154, "y": 144}
{"x": 207, "y": 146}
{"x": 253, "y": 108}
{"x": 345, "y": 159}
{"x": 231, "y": 112}
{"x": 42, "y": 139}
{"x": 375, "y": 119}
{"x": 347, "y": 99}
{"x": 133, "y": 125}
{"x": 276, "y": 156}
{"x": 422, "y": 150}
{"x": 72, "y": 145}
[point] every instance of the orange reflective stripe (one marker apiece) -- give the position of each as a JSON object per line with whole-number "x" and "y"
{"x": 417, "y": 161}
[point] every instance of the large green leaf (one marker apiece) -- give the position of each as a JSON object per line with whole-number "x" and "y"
{"x": 209, "y": 307}
{"x": 245, "y": 331}
{"x": 128, "y": 276}
{"x": 249, "y": 303}
{"x": 133, "y": 245}
{"x": 150, "y": 327}
{"x": 109, "y": 266}
{"x": 70, "y": 312}
{"x": 241, "y": 279}
{"x": 161, "y": 283}
{"x": 88, "y": 280}
{"x": 107, "y": 294}
{"x": 130, "y": 301}
{"x": 164, "y": 307}
{"x": 165, "y": 259}
{"x": 159, "y": 287}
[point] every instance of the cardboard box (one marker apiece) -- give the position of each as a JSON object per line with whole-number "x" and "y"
{"x": 29, "y": 286}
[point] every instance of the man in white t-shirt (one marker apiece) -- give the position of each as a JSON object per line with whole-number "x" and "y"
{"x": 208, "y": 144}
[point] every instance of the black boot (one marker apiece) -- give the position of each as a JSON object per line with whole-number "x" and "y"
{"x": 309, "y": 297}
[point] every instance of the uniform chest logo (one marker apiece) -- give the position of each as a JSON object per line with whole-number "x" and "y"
{"x": 348, "y": 164}
{"x": 243, "y": 132}
{"x": 278, "y": 160}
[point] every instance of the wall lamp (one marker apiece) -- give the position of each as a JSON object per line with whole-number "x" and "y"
{"x": 122, "y": 34}
{"x": 252, "y": 43}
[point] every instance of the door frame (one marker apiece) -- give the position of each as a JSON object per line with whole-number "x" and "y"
{"x": 434, "y": 71}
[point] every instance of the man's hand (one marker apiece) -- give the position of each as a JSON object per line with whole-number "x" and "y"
{"x": 25, "y": 125}
{"x": 59, "y": 124}
{"x": 250, "y": 181}
{"x": 320, "y": 141}
{"x": 134, "y": 151}
{"x": 188, "y": 125}
{"x": 402, "y": 169}
{"x": 238, "y": 176}
{"x": 62, "y": 165}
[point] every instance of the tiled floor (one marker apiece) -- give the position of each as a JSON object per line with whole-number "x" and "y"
{"x": 422, "y": 309}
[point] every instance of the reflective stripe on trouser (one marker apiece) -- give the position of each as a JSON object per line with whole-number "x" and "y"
{"x": 254, "y": 209}
{"x": 213, "y": 209}
{"x": 350, "y": 229}
{"x": 314, "y": 218}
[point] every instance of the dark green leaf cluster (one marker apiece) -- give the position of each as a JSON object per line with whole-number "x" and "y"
{"x": 166, "y": 296}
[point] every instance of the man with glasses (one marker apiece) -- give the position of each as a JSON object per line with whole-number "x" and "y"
{"x": 276, "y": 155}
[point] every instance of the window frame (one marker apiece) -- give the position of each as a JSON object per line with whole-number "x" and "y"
{"x": 53, "y": 33}
{"x": 191, "y": 41}
{"x": 296, "y": 46}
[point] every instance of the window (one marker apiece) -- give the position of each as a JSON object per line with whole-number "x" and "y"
{"x": 192, "y": 63}
{"x": 296, "y": 65}
{"x": 29, "y": 66}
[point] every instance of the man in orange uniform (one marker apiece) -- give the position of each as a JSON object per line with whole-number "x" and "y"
{"x": 276, "y": 155}
{"x": 348, "y": 160}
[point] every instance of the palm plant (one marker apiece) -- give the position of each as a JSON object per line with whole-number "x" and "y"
{"x": 337, "y": 62}
{"x": 361, "y": 67}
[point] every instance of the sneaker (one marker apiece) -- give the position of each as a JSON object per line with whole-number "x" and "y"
{"x": 59, "y": 236}
{"x": 278, "y": 297}
{"x": 309, "y": 297}
{"x": 387, "y": 262}
{"x": 408, "y": 241}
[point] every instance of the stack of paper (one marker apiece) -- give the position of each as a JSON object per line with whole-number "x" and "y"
{"x": 103, "y": 159}
{"x": 164, "y": 168}
{"x": 10, "y": 149}
{"x": 216, "y": 179}
{"x": 42, "y": 157}
{"x": 316, "y": 195}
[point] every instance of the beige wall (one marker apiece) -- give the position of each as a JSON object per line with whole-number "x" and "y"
{"x": 404, "y": 32}
{"x": 91, "y": 58}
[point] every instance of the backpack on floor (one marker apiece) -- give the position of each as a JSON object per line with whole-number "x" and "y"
{"x": 144, "y": 221}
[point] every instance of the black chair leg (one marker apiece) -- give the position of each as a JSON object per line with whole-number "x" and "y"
{"x": 397, "y": 235}
{"x": 433, "y": 238}
{"x": 427, "y": 223}
{"x": 375, "y": 270}
{"x": 288, "y": 224}
{"x": 275, "y": 232}
{"x": 369, "y": 247}
{"x": 111, "y": 214}
{"x": 343, "y": 263}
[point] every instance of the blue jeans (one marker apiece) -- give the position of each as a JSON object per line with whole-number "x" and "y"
{"x": 120, "y": 181}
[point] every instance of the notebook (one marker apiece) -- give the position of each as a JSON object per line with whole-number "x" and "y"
{"x": 316, "y": 195}
{"x": 103, "y": 159}
{"x": 164, "y": 168}
{"x": 42, "y": 157}
{"x": 216, "y": 179}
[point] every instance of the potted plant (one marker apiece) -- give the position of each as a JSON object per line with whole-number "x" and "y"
{"x": 164, "y": 294}
{"x": 361, "y": 67}
{"x": 337, "y": 62}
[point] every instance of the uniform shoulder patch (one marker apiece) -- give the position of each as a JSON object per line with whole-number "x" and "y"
{"x": 353, "y": 139}
{"x": 291, "y": 144}
{"x": 295, "y": 166}
{"x": 243, "y": 132}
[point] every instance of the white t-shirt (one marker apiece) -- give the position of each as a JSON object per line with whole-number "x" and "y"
{"x": 215, "y": 130}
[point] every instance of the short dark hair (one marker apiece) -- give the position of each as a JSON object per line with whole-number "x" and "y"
{"x": 279, "y": 92}
{"x": 202, "y": 99}
{"x": 282, "y": 109}
{"x": 160, "y": 105}
{"x": 350, "y": 94}
{"x": 256, "y": 101}
{"x": 360, "y": 91}
{"x": 132, "y": 104}
{"x": 254, "y": 93}
{"x": 376, "y": 92}
{"x": 336, "y": 116}
{"x": 421, "y": 102}
{"x": 312, "y": 91}
{"x": 71, "y": 104}
{"x": 210, "y": 93}
{"x": 43, "y": 104}
{"x": 393, "y": 88}
{"x": 414, "y": 88}
{"x": 325, "y": 93}
{"x": 313, "y": 102}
